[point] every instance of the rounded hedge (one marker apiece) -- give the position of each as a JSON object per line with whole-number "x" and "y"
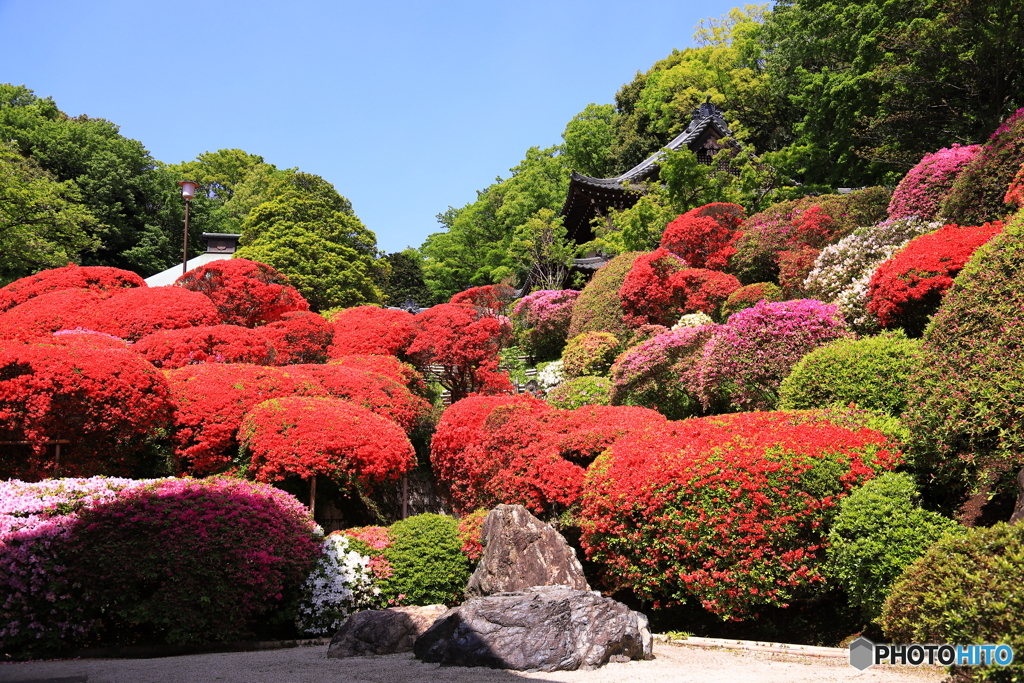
{"x": 749, "y": 295}
{"x": 881, "y": 529}
{"x": 590, "y": 354}
{"x": 965, "y": 589}
{"x": 599, "y": 308}
{"x": 428, "y": 564}
{"x": 581, "y": 391}
{"x": 871, "y": 373}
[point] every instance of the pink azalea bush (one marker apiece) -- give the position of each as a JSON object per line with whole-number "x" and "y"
{"x": 544, "y": 318}
{"x": 749, "y": 356}
{"x": 922, "y": 190}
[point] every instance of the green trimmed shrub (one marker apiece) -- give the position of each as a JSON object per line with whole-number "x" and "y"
{"x": 599, "y": 308}
{"x": 428, "y": 564}
{"x": 590, "y": 354}
{"x": 965, "y": 406}
{"x": 965, "y": 589}
{"x": 581, "y": 391}
{"x": 747, "y": 296}
{"x": 880, "y": 529}
{"x": 980, "y": 188}
{"x": 871, "y": 373}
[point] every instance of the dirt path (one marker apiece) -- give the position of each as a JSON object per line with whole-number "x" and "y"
{"x": 673, "y": 664}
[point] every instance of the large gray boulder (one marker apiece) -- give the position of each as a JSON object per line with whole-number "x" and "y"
{"x": 545, "y": 628}
{"x": 382, "y": 631}
{"x": 521, "y": 551}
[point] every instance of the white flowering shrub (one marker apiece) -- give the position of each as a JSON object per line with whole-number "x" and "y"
{"x": 697, "y": 319}
{"x": 842, "y": 271}
{"x": 340, "y": 584}
{"x": 551, "y": 375}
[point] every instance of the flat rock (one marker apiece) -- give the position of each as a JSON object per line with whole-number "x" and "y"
{"x": 382, "y": 631}
{"x": 544, "y": 628}
{"x": 520, "y": 551}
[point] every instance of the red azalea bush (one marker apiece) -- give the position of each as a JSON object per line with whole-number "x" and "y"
{"x": 704, "y": 291}
{"x": 210, "y": 400}
{"x": 307, "y": 436}
{"x": 598, "y": 307}
{"x": 104, "y": 402}
{"x": 133, "y": 313}
{"x": 298, "y": 337}
{"x": 371, "y": 330}
{"x": 590, "y": 354}
{"x": 748, "y": 357}
{"x": 907, "y": 289}
{"x": 544, "y": 318}
{"x": 925, "y": 186}
{"x": 1015, "y": 192}
{"x": 748, "y": 295}
{"x": 86, "y": 338}
{"x": 471, "y": 534}
{"x": 99, "y": 279}
{"x": 45, "y": 314}
{"x": 647, "y": 294}
{"x": 731, "y": 511}
{"x": 703, "y": 236}
{"x": 186, "y": 561}
{"x": 246, "y": 293}
{"x": 389, "y": 366}
{"x": 490, "y": 299}
{"x": 205, "y": 344}
{"x": 378, "y": 393}
{"x": 460, "y": 346}
{"x": 795, "y": 265}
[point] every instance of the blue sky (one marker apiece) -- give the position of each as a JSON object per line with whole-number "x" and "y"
{"x": 406, "y": 107}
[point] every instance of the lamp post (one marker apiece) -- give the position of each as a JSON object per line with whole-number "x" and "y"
{"x": 188, "y": 190}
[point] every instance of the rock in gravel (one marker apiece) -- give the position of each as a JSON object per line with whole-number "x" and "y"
{"x": 544, "y": 628}
{"x": 521, "y": 551}
{"x": 382, "y": 631}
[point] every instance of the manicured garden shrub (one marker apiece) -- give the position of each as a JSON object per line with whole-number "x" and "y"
{"x": 462, "y": 342}
{"x": 100, "y": 279}
{"x": 377, "y": 393}
{"x": 543, "y": 318}
{"x": 689, "y": 320}
{"x": 906, "y": 290}
{"x": 979, "y": 190}
{"x": 731, "y": 511}
{"x": 965, "y": 402}
{"x": 871, "y": 373}
{"x": 589, "y": 354}
{"x": 105, "y": 404}
{"x": 599, "y": 308}
{"x": 340, "y": 584}
{"x": 748, "y": 295}
{"x": 647, "y": 294}
{"x": 51, "y": 312}
{"x": 747, "y": 358}
{"x": 923, "y": 189}
{"x": 880, "y": 529}
{"x": 581, "y": 391}
{"x": 192, "y": 561}
{"x": 807, "y": 222}
{"x": 308, "y": 436}
{"x": 82, "y": 337}
{"x": 1014, "y": 198}
{"x": 210, "y": 400}
{"x": 371, "y": 330}
{"x": 389, "y": 366}
{"x": 795, "y": 265}
{"x": 205, "y": 344}
{"x": 133, "y": 313}
{"x": 703, "y": 236}
{"x": 662, "y": 372}
{"x": 489, "y": 299}
{"x": 246, "y": 293}
{"x": 429, "y": 567}
{"x": 299, "y": 337}
{"x": 40, "y": 614}
{"x": 704, "y": 291}
{"x": 966, "y": 589}
{"x": 550, "y": 375}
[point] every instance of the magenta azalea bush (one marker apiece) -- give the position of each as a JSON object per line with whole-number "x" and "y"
{"x": 104, "y": 561}
{"x": 925, "y": 186}
{"x": 748, "y": 357}
{"x": 544, "y": 318}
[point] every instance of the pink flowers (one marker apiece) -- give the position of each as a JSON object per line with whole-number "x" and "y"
{"x": 922, "y": 190}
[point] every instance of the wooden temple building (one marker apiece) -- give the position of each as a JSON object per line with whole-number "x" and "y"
{"x": 589, "y": 197}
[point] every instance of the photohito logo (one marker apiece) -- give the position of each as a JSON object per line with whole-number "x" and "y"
{"x": 864, "y": 653}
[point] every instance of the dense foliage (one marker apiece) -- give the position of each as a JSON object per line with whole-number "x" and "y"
{"x": 599, "y": 308}
{"x": 205, "y": 344}
{"x": 100, "y": 279}
{"x": 703, "y": 236}
{"x": 245, "y": 292}
{"x": 298, "y": 337}
{"x": 581, "y": 391}
{"x": 729, "y": 511}
{"x": 749, "y": 295}
{"x": 923, "y": 189}
{"x": 371, "y": 330}
{"x": 429, "y": 567}
{"x": 589, "y": 354}
{"x": 133, "y": 313}
{"x": 871, "y": 373}
{"x": 543, "y": 318}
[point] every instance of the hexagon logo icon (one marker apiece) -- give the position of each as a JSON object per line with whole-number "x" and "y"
{"x": 862, "y": 653}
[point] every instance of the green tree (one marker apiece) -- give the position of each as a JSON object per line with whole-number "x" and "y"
{"x": 42, "y": 222}
{"x": 541, "y": 248}
{"x": 589, "y": 138}
{"x": 405, "y": 280}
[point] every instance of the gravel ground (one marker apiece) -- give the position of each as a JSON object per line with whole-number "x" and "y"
{"x": 672, "y": 664}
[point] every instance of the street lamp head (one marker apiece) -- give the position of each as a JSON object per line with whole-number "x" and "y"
{"x": 188, "y": 189}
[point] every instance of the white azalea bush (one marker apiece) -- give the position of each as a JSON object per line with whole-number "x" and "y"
{"x": 551, "y": 375}
{"x": 342, "y": 583}
{"x": 697, "y": 319}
